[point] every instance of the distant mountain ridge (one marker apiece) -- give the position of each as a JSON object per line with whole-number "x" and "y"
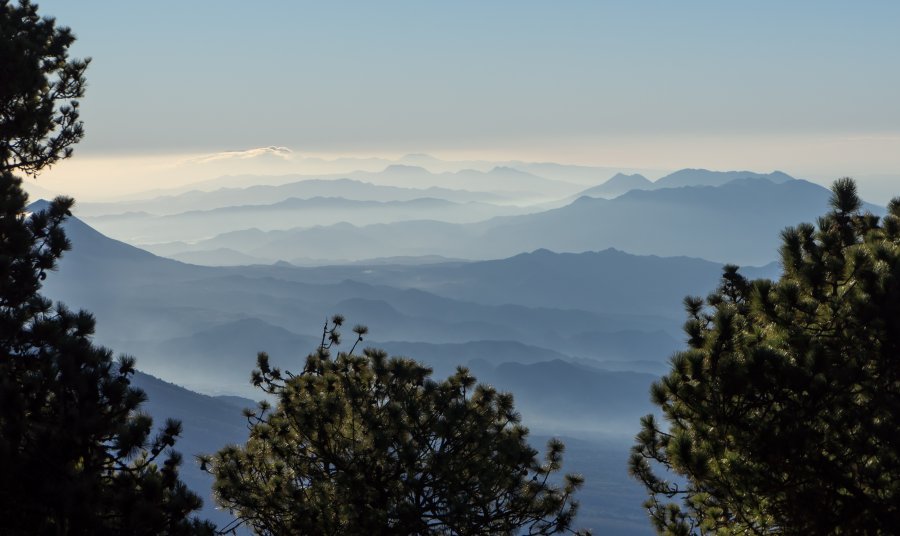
{"x": 738, "y": 222}
{"x": 559, "y": 313}
{"x": 617, "y": 185}
{"x": 500, "y": 179}
{"x": 208, "y": 425}
{"x": 586, "y": 305}
{"x": 143, "y": 228}
{"x": 202, "y": 326}
{"x": 347, "y": 188}
{"x": 620, "y": 183}
{"x": 705, "y": 177}
{"x": 369, "y": 220}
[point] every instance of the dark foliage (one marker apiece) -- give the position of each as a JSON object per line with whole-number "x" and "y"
{"x": 783, "y": 413}
{"x": 76, "y": 454}
{"x": 367, "y": 444}
{"x": 39, "y": 88}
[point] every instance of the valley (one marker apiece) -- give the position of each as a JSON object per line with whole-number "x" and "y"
{"x": 572, "y": 306}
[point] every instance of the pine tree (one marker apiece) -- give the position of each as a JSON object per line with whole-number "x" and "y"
{"x": 76, "y": 454}
{"x": 783, "y": 413}
{"x": 39, "y": 88}
{"x": 367, "y": 444}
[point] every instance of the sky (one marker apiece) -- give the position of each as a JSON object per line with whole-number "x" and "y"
{"x": 806, "y": 87}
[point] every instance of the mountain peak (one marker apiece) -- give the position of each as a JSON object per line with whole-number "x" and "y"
{"x": 37, "y": 206}
{"x": 706, "y": 177}
{"x": 634, "y": 179}
{"x": 617, "y": 185}
{"x": 780, "y": 176}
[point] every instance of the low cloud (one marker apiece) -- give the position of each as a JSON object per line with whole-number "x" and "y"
{"x": 272, "y": 150}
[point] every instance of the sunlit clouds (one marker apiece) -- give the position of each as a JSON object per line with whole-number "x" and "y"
{"x": 873, "y": 159}
{"x": 280, "y": 152}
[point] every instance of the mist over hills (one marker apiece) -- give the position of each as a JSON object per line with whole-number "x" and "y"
{"x": 611, "y": 500}
{"x": 693, "y": 212}
{"x": 208, "y": 423}
{"x": 705, "y": 177}
{"x": 621, "y": 183}
{"x": 395, "y": 182}
{"x": 369, "y": 198}
{"x": 736, "y": 222}
{"x": 617, "y": 185}
{"x": 298, "y": 187}
{"x": 593, "y": 401}
{"x": 243, "y": 172}
{"x": 190, "y": 324}
{"x": 212, "y": 257}
{"x": 576, "y": 327}
{"x": 156, "y": 307}
{"x": 609, "y": 281}
{"x": 499, "y": 178}
{"x": 143, "y": 227}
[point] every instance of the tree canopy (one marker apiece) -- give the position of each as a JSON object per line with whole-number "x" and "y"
{"x": 782, "y": 415}
{"x": 370, "y": 444}
{"x": 76, "y": 454}
{"x": 39, "y": 90}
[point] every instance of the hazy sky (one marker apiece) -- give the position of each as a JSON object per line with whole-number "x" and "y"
{"x": 808, "y": 87}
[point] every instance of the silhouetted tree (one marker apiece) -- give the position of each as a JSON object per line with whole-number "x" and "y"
{"x": 76, "y": 455}
{"x": 784, "y": 413}
{"x": 39, "y": 88}
{"x": 367, "y": 444}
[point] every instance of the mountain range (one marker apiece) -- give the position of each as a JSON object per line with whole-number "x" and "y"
{"x": 192, "y": 225}
{"x": 190, "y": 324}
{"x": 574, "y": 309}
{"x": 738, "y": 222}
{"x": 296, "y": 186}
{"x": 622, "y": 183}
{"x": 156, "y": 307}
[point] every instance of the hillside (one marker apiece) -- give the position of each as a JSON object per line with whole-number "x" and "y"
{"x": 737, "y": 222}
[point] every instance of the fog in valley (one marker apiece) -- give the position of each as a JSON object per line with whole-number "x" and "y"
{"x": 565, "y": 294}
{"x": 669, "y": 232}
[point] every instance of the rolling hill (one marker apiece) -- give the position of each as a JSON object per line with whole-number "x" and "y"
{"x": 737, "y": 222}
